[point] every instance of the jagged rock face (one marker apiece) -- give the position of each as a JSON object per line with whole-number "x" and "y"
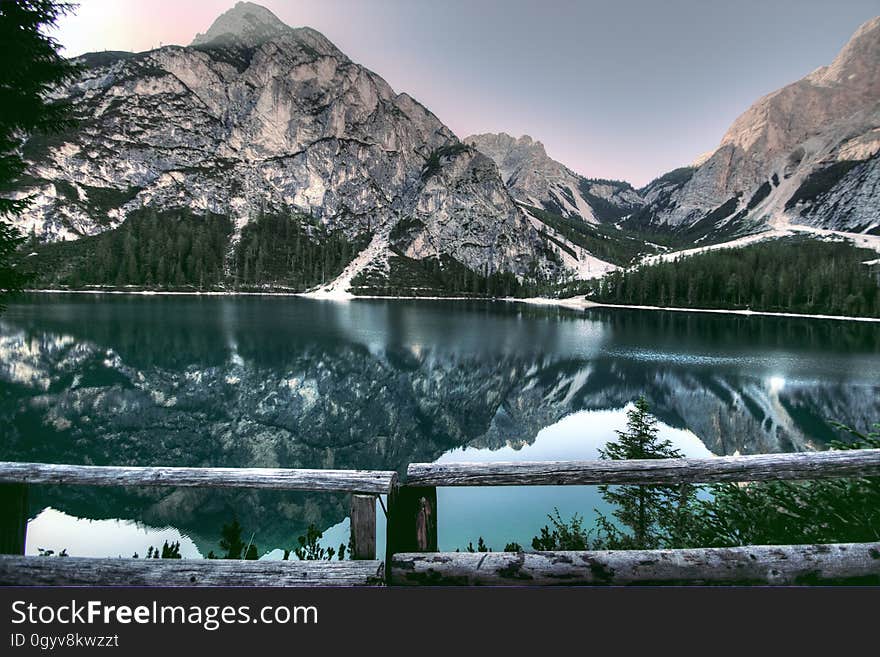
{"x": 791, "y": 138}
{"x": 660, "y": 189}
{"x": 851, "y": 204}
{"x": 487, "y": 233}
{"x": 257, "y": 115}
{"x": 535, "y": 179}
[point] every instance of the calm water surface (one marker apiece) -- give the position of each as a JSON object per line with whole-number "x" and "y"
{"x": 289, "y": 382}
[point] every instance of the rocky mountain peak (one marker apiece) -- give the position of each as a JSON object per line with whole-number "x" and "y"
{"x": 246, "y": 23}
{"x": 537, "y": 180}
{"x": 534, "y": 144}
{"x": 257, "y": 121}
{"x": 524, "y": 142}
{"x": 505, "y": 147}
{"x": 804, "y": 154}
{"x": 850, "y": 85}
{"x": 859, "y": 61}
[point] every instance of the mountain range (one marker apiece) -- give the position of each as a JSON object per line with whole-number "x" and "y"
{"x": 260, "y": 123}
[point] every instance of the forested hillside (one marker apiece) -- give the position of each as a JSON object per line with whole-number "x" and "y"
{"x": 440, "y": 277}
{"x": 151, "y": 249}
{"x": 790, "y": 275}
{"x": 617, "y": 246}
{"x": 181, "y": 250}
{"x": 184, "y": 251}
{"x": 291, "y": 251}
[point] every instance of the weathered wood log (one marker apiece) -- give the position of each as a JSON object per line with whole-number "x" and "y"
{"x": 363, "y": 527}
{"x": 802, "y": 465}
{"x": 842, "y": 563}
{"x": 354, "y": 481}
{"x": 13, "y": 518}
{"x": 78, "y": 571}
{"x": 412, "y": 520}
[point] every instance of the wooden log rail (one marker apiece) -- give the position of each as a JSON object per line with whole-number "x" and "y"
{"x": 345, "y": 481}
{"x": 364, "y": 486}
{"x": 760, "y": 467}
{"x": 788, "y": 565}
{"x": 78, "y": 571}
{"x": 413, "y": 513}
{"x": 411, "y": 546}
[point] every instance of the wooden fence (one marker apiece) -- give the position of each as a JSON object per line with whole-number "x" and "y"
{"x": 362, "y": 570}
{"x": 412, "y": 557}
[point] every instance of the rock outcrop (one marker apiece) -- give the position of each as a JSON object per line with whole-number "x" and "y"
{"x": 535, "y": 179}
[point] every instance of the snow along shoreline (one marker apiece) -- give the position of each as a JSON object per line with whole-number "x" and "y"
{"x": 572, "y": 303}
{"x": 581, "y": 303}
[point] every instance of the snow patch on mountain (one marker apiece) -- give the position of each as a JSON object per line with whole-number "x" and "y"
{"x": 583, "y": 264}
{"x": 338, "y": 288}
{"x": 863, "y": 241}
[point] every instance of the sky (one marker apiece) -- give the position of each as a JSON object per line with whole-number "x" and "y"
{"x": 625, "y": 89}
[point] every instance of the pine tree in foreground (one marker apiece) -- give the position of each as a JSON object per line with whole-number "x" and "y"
{"x": 648, "y": 516}
{"x": 30, "y": 67}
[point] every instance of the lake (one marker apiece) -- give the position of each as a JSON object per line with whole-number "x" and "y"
{"x": 376, "y": 384}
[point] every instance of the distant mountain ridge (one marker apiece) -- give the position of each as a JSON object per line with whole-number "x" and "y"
{"x": 535, "y": 179}
{"x": 568, "y": 208}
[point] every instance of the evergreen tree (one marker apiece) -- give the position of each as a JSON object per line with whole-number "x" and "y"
{"x": 562, "y": 535}
{"x": 30, "y": 66}
{"x": 310, "y": 548}
{"x": 11, "y": 278}
{"x": 648, "y": 516}
{"x": 169, "y": 551}
{"x": 231, "y": 541}
{"x": 843, "y": 510}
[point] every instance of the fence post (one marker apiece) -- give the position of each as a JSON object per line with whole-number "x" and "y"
{"x": 13, "y": 518}
{"x": 363, "y": 526}
{"x": 412, "y": 521}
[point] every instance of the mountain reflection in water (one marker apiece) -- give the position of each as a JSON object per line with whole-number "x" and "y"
{"x": 290, "y": 382}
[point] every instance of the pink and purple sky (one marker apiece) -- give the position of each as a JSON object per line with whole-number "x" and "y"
{"x": 620, "y": 89}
